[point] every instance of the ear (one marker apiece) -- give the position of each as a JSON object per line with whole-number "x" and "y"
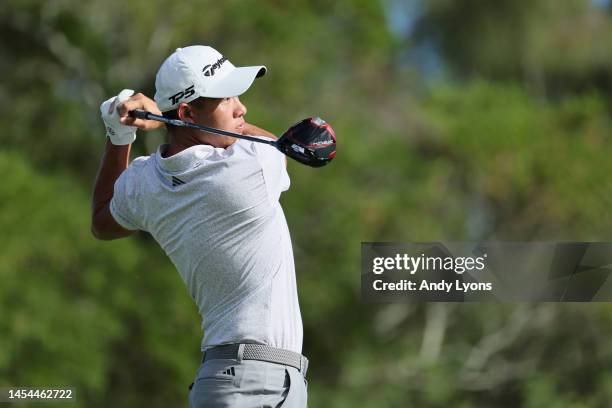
{"x": 184, "y": 113}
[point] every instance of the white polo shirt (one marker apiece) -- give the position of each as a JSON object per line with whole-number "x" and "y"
{"x": 216, "y": 214}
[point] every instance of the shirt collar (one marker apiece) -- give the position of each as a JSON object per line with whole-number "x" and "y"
{"x": 190, "y": 157}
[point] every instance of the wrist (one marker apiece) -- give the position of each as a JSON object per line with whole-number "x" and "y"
{"x": 120, "y": 139}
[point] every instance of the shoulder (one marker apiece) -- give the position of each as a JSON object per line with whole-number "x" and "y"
{"x": 141, "y": 162}
{"x": 131, "y": 180}
{"x": 259, "y": 151}
{"x": 267, "y": 155}
{"x": 138, "y": 166}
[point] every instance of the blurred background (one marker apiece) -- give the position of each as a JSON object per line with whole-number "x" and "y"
{"x": 456, "y": 120}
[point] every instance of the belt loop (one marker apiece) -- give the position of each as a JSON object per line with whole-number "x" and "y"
{"x": 304, "y": 366}
{"x": 240, "y": 352}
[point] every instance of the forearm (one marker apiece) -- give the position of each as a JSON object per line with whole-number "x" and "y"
{"x": 114, "y": 161}
{"x": 250, "y": 129}
{"x": 116, "y": 158}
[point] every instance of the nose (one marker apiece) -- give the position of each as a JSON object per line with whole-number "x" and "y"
{"x": 240, "y": 109}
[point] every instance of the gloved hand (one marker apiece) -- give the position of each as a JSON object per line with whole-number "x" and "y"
{"x": 119, "y": 134}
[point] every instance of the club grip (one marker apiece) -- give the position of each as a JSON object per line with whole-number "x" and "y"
{"x": 138, "y": 114}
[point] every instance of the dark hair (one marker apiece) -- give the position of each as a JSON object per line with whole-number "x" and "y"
{"x": 173, "y": 114}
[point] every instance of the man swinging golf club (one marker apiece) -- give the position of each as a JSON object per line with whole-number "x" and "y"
{"x": 212, "y": 203}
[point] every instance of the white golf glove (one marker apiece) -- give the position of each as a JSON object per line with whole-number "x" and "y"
{"x": 119, "y": 134}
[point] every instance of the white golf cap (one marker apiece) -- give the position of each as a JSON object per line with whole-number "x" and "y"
{"x": 200, "y": 70}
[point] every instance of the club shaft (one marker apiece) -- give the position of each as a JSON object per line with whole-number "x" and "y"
{"x": 141, "y": 114}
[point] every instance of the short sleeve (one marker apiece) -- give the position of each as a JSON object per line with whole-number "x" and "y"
{"x": 274, "y": 169}
{"x": 125, "y": 201}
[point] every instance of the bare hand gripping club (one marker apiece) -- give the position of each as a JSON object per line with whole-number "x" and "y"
{"x": 311, "y": 141}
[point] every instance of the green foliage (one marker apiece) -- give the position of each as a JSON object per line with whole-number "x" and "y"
{"x": 78, "y": 312}
{"x": 553, "y": 48}
{"x": 526, "y": 161}
{"x": 516, "y": 149}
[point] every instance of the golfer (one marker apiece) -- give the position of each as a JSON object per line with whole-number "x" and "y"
{"x": 212, "y": 204}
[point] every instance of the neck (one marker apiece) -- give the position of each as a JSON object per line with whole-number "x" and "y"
{"x": 182, "y": 139}
{"x": 176, "y": 146}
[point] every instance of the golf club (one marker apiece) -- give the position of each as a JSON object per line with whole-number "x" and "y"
{"x": 311, "y": 141}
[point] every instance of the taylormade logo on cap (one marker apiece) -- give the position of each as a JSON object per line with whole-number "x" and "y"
{"x": 199, "y": 70}
{"x": 209, "y": 70}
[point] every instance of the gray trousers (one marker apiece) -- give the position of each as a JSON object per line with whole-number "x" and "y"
{"x": 247, "y": 383}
